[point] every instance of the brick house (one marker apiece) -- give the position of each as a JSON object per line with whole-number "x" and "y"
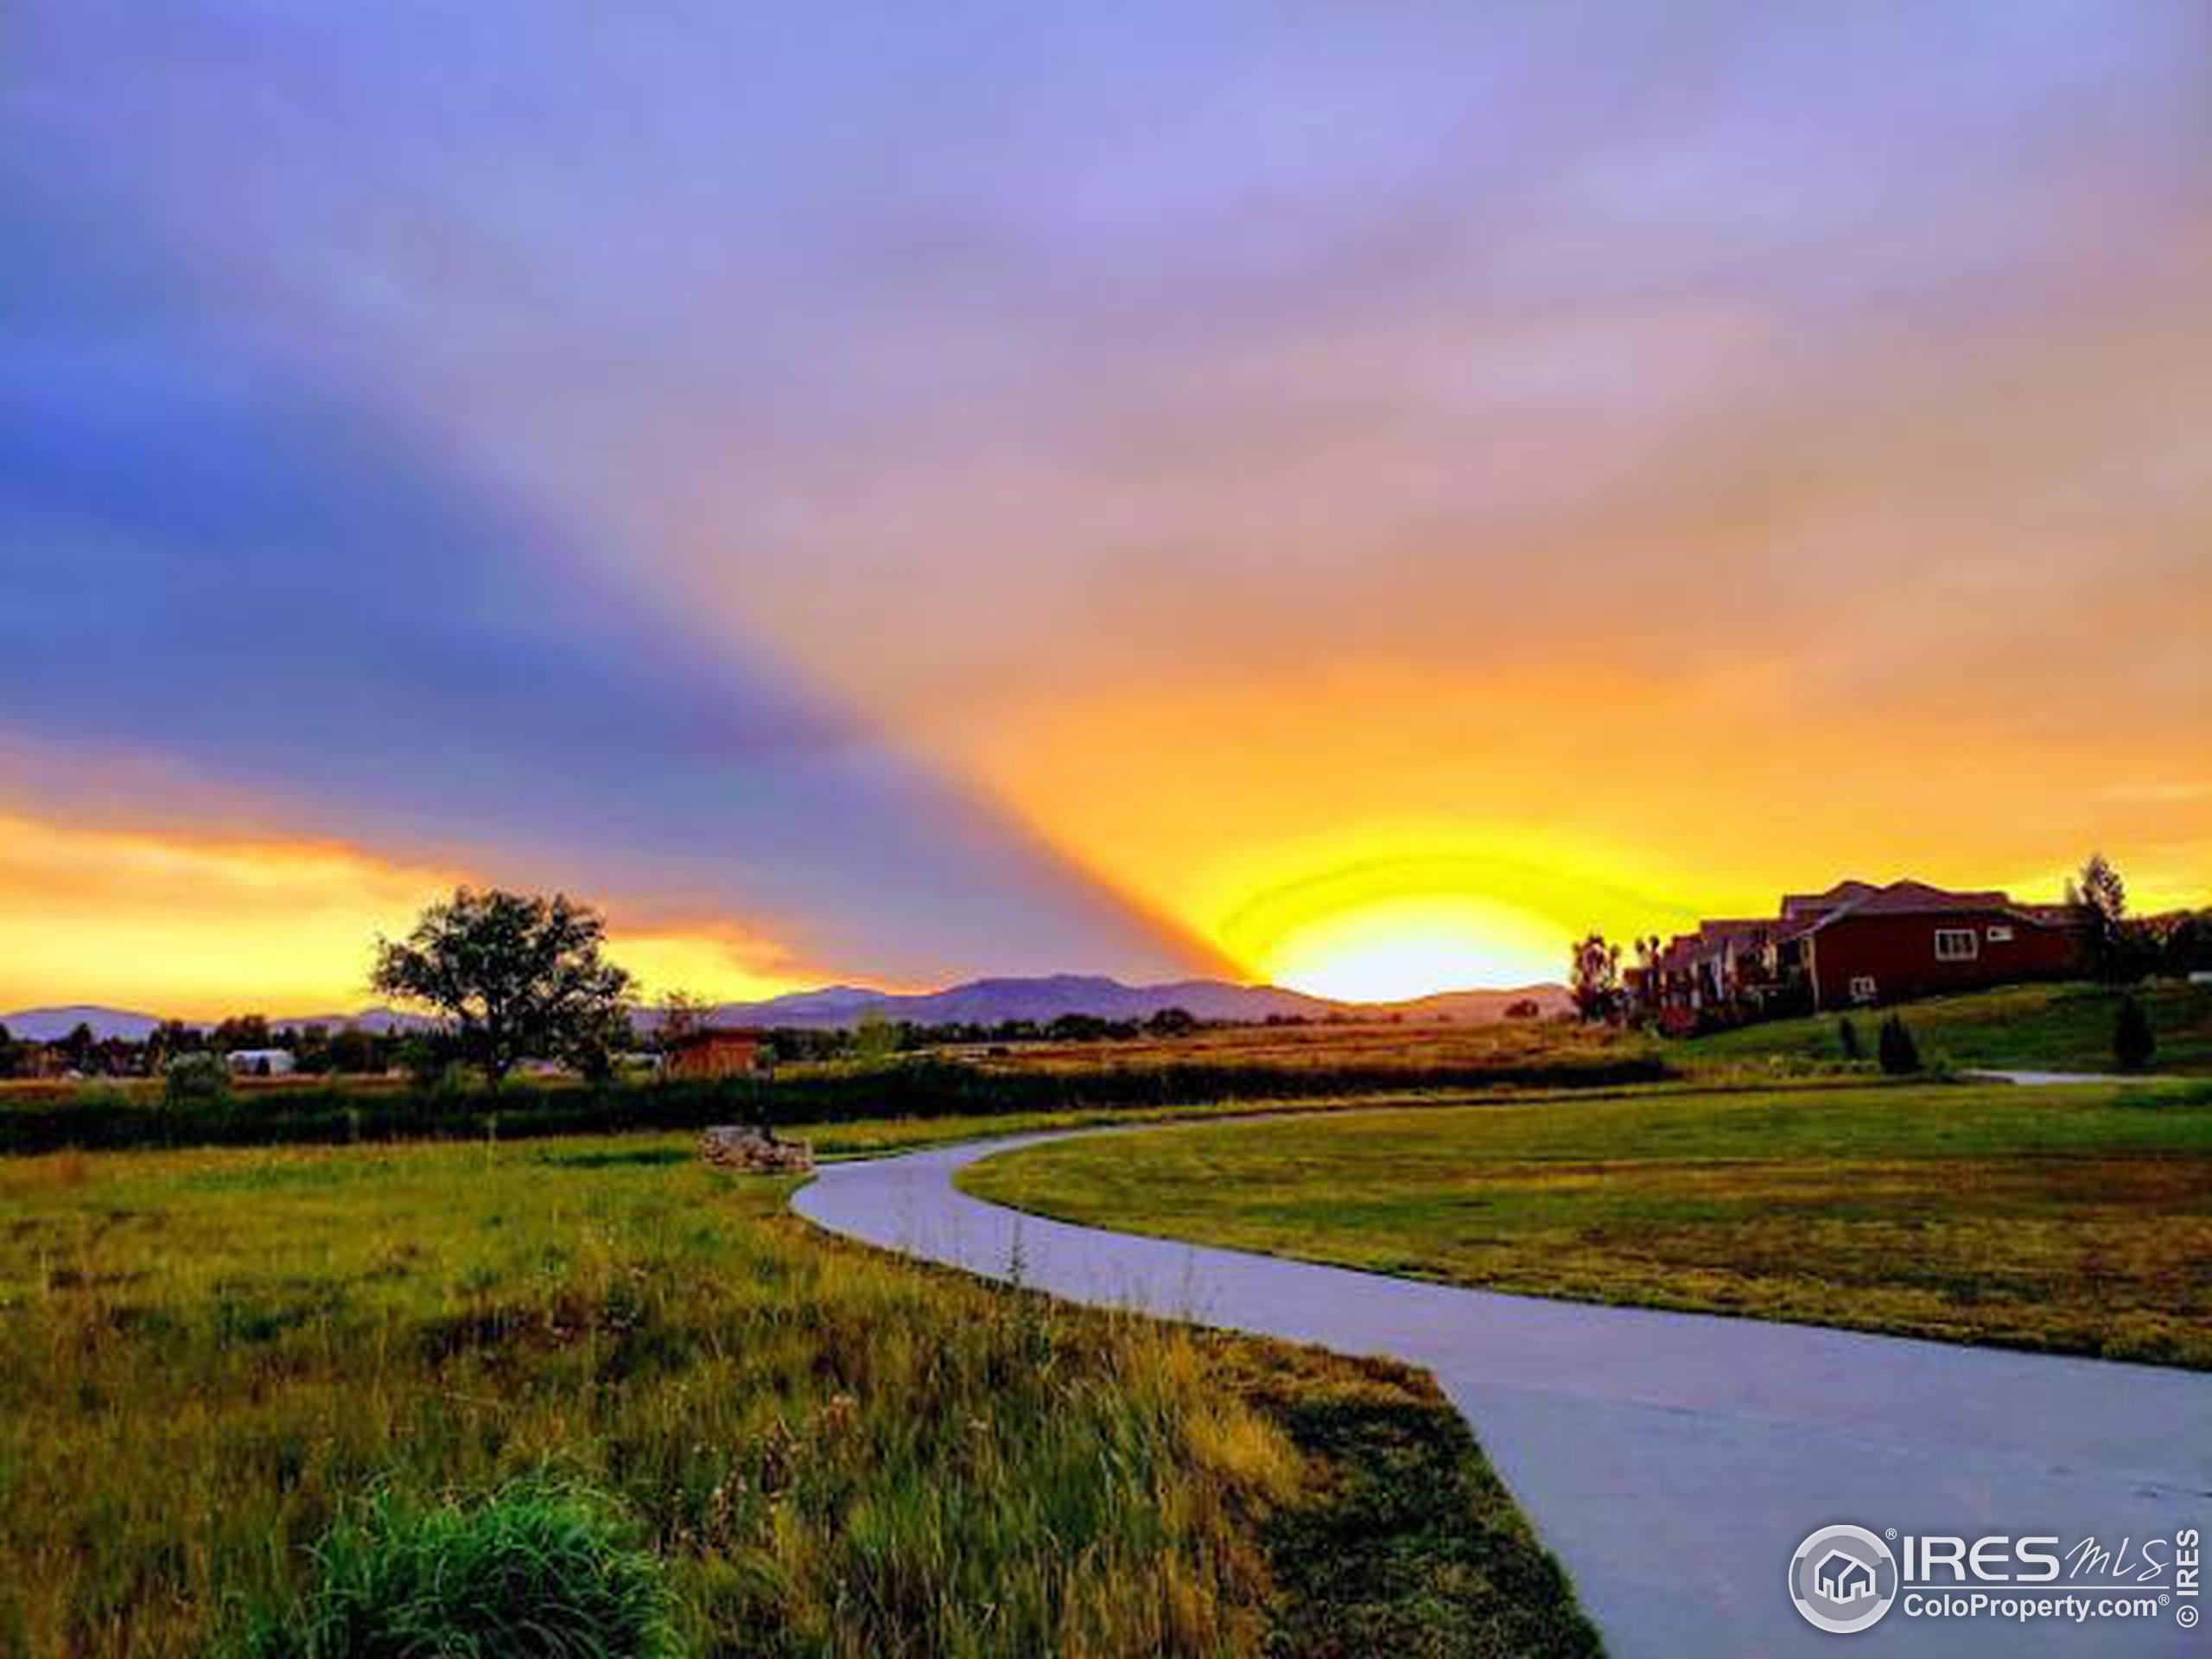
{"x": 1855, "y": 943}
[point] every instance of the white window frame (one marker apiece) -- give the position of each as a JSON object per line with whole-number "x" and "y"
{"x": 2000, "y": 933}
{"x": 1964, "y": 945}
{"x": 1863, "y": 988}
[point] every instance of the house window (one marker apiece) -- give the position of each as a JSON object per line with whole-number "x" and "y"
{"x": 1956, "y": 945}
{"x": 1998, "y": 935}
{"x": 1862, "y": 988}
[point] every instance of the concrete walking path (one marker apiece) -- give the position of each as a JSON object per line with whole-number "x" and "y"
{"x": 1673, "y": 1462}
{"x": 2056, "y": 1079}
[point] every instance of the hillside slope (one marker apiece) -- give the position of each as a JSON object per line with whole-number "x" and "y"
{"x": 2067, "y": 1027}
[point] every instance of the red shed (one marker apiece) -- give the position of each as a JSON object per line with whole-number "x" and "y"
{"x": 715, "y": 1053}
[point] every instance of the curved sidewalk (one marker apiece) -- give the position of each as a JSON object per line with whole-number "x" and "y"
{"x": 1672, "y": 1461}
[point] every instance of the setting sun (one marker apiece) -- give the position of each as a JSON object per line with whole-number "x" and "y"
{"x": 1409, "y": 947}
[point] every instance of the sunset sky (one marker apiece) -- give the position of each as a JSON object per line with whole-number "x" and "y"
{"x": 1339, "y": 495}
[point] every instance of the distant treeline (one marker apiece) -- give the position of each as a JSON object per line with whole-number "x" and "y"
{"x": 321, "y": 1050}
{"x": 104, "y": 1119}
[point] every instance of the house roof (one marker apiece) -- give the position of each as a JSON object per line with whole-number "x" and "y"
{"x": 716, "y": 1034}
{"x": 1918, "y": 899}
{"x": 1736, "y": 927}
{"x": 1795, "y": 904}
{"x": 1837, "y": 1565}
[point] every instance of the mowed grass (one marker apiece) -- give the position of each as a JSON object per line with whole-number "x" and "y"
{"x": 208, "y": 1357}
{"x": 2076, "y": 1219}
{"x": 2022, "y": 1027}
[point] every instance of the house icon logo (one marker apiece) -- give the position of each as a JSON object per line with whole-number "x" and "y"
{"x": 1843, "y": 1578}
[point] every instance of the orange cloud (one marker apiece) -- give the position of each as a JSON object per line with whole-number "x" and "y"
{"x": 1359, "y": 820}
{"x": 198, "y": 925}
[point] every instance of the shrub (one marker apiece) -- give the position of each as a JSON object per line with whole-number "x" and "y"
{"x": 539, "y": 1567}
{"x": 332, "y": 1114}
{"x": 1899, "y": 1053}
{"x": 1846, "y": 1039}
{"x": 2133, "y": 1042}
{"x": 197, "y": 1079}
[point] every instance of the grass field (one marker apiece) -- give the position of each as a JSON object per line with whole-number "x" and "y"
{"x": 1409, "y": 1046}
{"x": 206, "y": 1356}
{"x": 2046, "y": 1027}
{"x": 2077, "y": 1219}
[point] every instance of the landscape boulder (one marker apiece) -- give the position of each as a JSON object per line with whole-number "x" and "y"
{"x": 755, "y": 1151}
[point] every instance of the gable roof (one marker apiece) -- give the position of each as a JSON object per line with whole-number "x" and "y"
{"x": 1909, "y": 898}
{"x": 1795, "y": 905}
{"x": 704, "y": 1035}
{"x": 1828, "y": 1569}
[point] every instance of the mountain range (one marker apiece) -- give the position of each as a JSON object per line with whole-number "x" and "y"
{"x": 988, "y": 1001}
{"x": 980, "y": 1001}
{"x": 51, "y": 1024}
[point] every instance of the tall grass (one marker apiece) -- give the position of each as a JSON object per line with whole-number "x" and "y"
{"x": 207, "y": 1359}
{"x": 541, "y": 1566}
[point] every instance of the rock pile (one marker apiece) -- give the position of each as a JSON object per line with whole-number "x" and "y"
{"x": 755, "y": 1151}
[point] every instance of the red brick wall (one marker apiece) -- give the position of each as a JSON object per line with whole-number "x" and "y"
{"x": 1899, "y": 953}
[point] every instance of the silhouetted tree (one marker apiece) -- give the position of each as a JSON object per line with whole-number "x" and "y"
{"x": 1846, "y": 1039}
{"x": 681, "y": 1014}
{"x": 516, "y": 974}
{"x": 2102, "y": 898}
{"x": 77, "y": 1047}
{"x": 196, "y": 1079}
{"x": 242, "y": 1031}
{"x": 1597, "y": 978}
{"x": 2133, "y": 1042}
{"x": 2185, "y": 945}
{"x": 1172, "y": 1023}
{"x": 357, "y": 1051}
{"x": 876, "y": 1040}
{"x": 1900, "y": 1055}
{"x": 1079, "y": 1028}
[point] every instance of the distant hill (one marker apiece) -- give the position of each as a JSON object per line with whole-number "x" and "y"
{"x": 1474, "y": 1008}
{"x": 989, "y": 1002}
{"x": 52, "y": 1025}
{"x": 979, "y": 1001}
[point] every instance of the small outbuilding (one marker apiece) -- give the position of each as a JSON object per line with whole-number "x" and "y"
{"x": 716, "y": 1052}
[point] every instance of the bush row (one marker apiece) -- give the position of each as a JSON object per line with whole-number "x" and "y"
{"x": 929, "y": 1088}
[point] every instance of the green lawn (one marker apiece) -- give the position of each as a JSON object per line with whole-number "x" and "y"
{"x": 2045, "y": 1027}
{"x": 206, "y": 1356}
{"x": 2076, "y": 1219}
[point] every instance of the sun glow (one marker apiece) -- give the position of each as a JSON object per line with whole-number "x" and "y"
{"x": 1409, "y": 947}
{"x": 1384, "y": 912}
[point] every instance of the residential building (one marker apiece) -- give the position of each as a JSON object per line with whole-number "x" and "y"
{"x": 1854, "y": 944}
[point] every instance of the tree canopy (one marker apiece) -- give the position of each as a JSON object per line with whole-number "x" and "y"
{"x": 1596, "y": 983}
{"x": 517, "y": 976}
